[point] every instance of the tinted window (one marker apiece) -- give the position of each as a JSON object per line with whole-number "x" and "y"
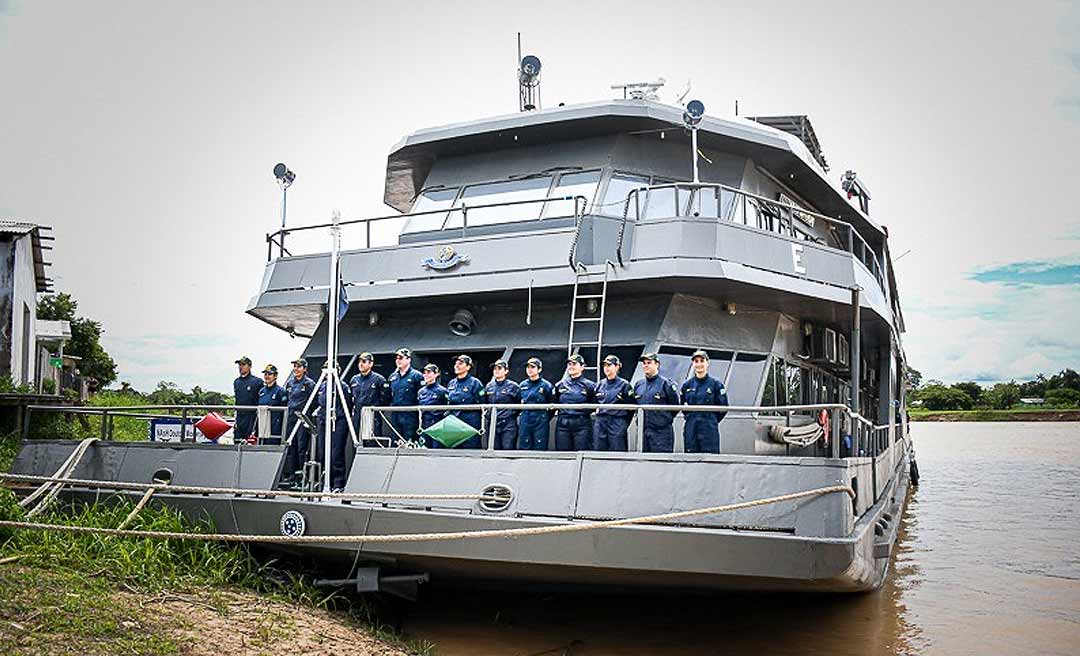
{"x": 745, "y": 378}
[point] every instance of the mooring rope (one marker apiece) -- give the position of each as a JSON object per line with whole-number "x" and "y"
{"x": 124, "y": 485}
{"x": 52, "y": 487}
{"x": 428, "y": 537}
{"x": 138, "y": 507}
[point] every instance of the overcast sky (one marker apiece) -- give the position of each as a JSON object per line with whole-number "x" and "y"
{"x": 145, "y": 132}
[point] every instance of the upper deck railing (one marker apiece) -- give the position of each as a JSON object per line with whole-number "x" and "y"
{"x": 278, "y": 238}
{"x": 713, "y": 201}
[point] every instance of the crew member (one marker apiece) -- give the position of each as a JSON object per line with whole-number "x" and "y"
{"x": 533, "y": 424}
{"x": 655, "y": 389}
{"x": 701, "y": 433}
{"x": 465, "y": 389}
{"x": 273, "y": 395}
{"x": 502, "y": 390}
{"x": 339, "y": 436}
{"x": 368, "y": 387}
{"x": 245, "y": 392}
{"x": 432, "y": 393}
{"x": 573, "y": 428}
{"x": 298, "y": 389}
{"x": 405, "y": 385}
{"x": 609, "y": 429}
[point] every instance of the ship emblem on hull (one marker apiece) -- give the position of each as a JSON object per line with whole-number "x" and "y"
{"x": 445, "y": 258}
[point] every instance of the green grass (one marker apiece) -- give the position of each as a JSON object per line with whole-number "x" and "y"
{"x": 62, "y": 588}
{"x": 986, "y": 414}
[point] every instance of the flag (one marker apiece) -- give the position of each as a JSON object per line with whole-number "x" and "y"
{"x": 343, "y": 301}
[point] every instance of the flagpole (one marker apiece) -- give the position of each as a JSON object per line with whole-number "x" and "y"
{"x": 330, "y": 367}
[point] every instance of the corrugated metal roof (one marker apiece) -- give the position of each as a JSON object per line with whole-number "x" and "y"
{"x": 35, "y": 230}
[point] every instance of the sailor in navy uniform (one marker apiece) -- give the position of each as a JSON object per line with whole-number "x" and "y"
{"x": 655, "y": 389}
{"x": 701, "y": 434}
{"x": 273, "y": 395}
{"x": 405, "y": 384}
{"x": 368, "y": 388}
{"x": 298, "y": 389}
{"x": 609, "y": 429}
{"x": 465, "y": 389}
{"x": 573, "y": 428}
{"x": 339, "y": 437}
{"x": 432, "y": 393}
{"x": 501, "y": 390}
{"x": 245, "y": 392}
{"x": 533, "y": 425}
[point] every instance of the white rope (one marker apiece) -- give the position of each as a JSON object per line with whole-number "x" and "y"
{"x": 428, "y": 537}
{"x": 192, "y": 489}
{"x": 52, "y": 487}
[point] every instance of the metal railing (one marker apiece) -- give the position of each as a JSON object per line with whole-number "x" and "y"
{"x": 187, "y": 414}
{"x": 365, "y": 430}
{"x": 747, "y": 209}
{"x": 278, "y": 238}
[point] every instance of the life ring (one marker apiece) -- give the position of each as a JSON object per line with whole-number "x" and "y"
{"x": 823, "y": 421}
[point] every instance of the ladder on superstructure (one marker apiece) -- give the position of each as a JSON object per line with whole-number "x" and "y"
{"x": 583, "y": 279}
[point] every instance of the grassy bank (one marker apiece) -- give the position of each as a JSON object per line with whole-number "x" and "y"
{"x": 88, "y": 594}
{"x": 1018, "y": 414}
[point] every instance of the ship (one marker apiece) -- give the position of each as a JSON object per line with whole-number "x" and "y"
{"x": 615, "y": 227}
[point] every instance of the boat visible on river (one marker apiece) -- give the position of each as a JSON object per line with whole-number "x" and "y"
{"x": 617, "y": 227}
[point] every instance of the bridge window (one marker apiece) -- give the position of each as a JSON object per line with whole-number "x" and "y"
{"x": 509, "y": 191}
{"x": 572, "y": 184}
{"x": 745, "y": 378}
{"x": 428, "y": 201}
{"x": 619, "y": 187}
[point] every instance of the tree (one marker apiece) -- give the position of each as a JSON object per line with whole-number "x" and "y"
{"x": 915, "y": 376}
{"x": 1066, "y": 379}
{"x": 971, "y": 388}
{"x": 85, "y": 337}
{"x": 939, "y": 397}
{"x": 1034, "y": 388}
{"x": 1063, "y": 398}
{"x": 1003, "y": 395}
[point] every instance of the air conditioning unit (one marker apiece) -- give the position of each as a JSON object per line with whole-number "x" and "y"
{"x": 842, "y": 350}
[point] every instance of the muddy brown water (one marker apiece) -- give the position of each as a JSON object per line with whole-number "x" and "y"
{"x": 988, "y": 562}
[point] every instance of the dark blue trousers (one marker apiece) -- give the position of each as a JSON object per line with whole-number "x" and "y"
{"x": 296, "y": 453}
{"x": 573, "y": 433}
{"x": 533, "y": 431}
{"x": 244, "y": 426}
{"x": 660, "y": 440}
{"x": 339, "y": 440}
{"x": 609, "y": 433}
{"x": 506, "y": 434}
{"x": 406, "y": 424}
{"x": 701, "y": 435}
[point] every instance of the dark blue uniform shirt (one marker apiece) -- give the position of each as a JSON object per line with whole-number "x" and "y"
{"x": 404, "y": 389}
{"x": 299, "y": 392}
{"x": 274, "y": 396}
{"x": 617, "y": 392}
{"x": 657, "y": 390}
{"x": 368, "y": 390}
{"x": 538, "y": 391}
{"x": 505, "y": 392}
{"x": 340, "y": 405}
{"x": 704, "y": 391}
{"x": 246, "y": 390}
{"x": 462, "y": 391}
{"x": 433, "y": 394}
{"x": 575, "y": 390}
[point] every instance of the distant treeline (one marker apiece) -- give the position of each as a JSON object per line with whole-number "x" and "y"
{"x": 1062, "y": 390}
{"x": 166, "y": 393}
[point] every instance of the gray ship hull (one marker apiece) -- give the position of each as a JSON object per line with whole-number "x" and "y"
{"x": 792, "y": 546}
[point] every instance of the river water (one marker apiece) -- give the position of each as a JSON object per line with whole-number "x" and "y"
{"x": 988, "y": 562}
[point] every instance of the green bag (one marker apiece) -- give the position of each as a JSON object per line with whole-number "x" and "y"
{"x": 450, "y": 431}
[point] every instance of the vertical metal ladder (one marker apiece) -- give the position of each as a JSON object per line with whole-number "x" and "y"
{"x": 582, "y": 278}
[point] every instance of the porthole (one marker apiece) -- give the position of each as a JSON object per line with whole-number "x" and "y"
{"x": 496, "y": 498}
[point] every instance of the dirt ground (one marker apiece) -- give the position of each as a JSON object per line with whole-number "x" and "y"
{"x": 244, "y": 623}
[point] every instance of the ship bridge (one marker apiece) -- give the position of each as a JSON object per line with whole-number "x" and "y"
{"x": 498, "y": 221}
